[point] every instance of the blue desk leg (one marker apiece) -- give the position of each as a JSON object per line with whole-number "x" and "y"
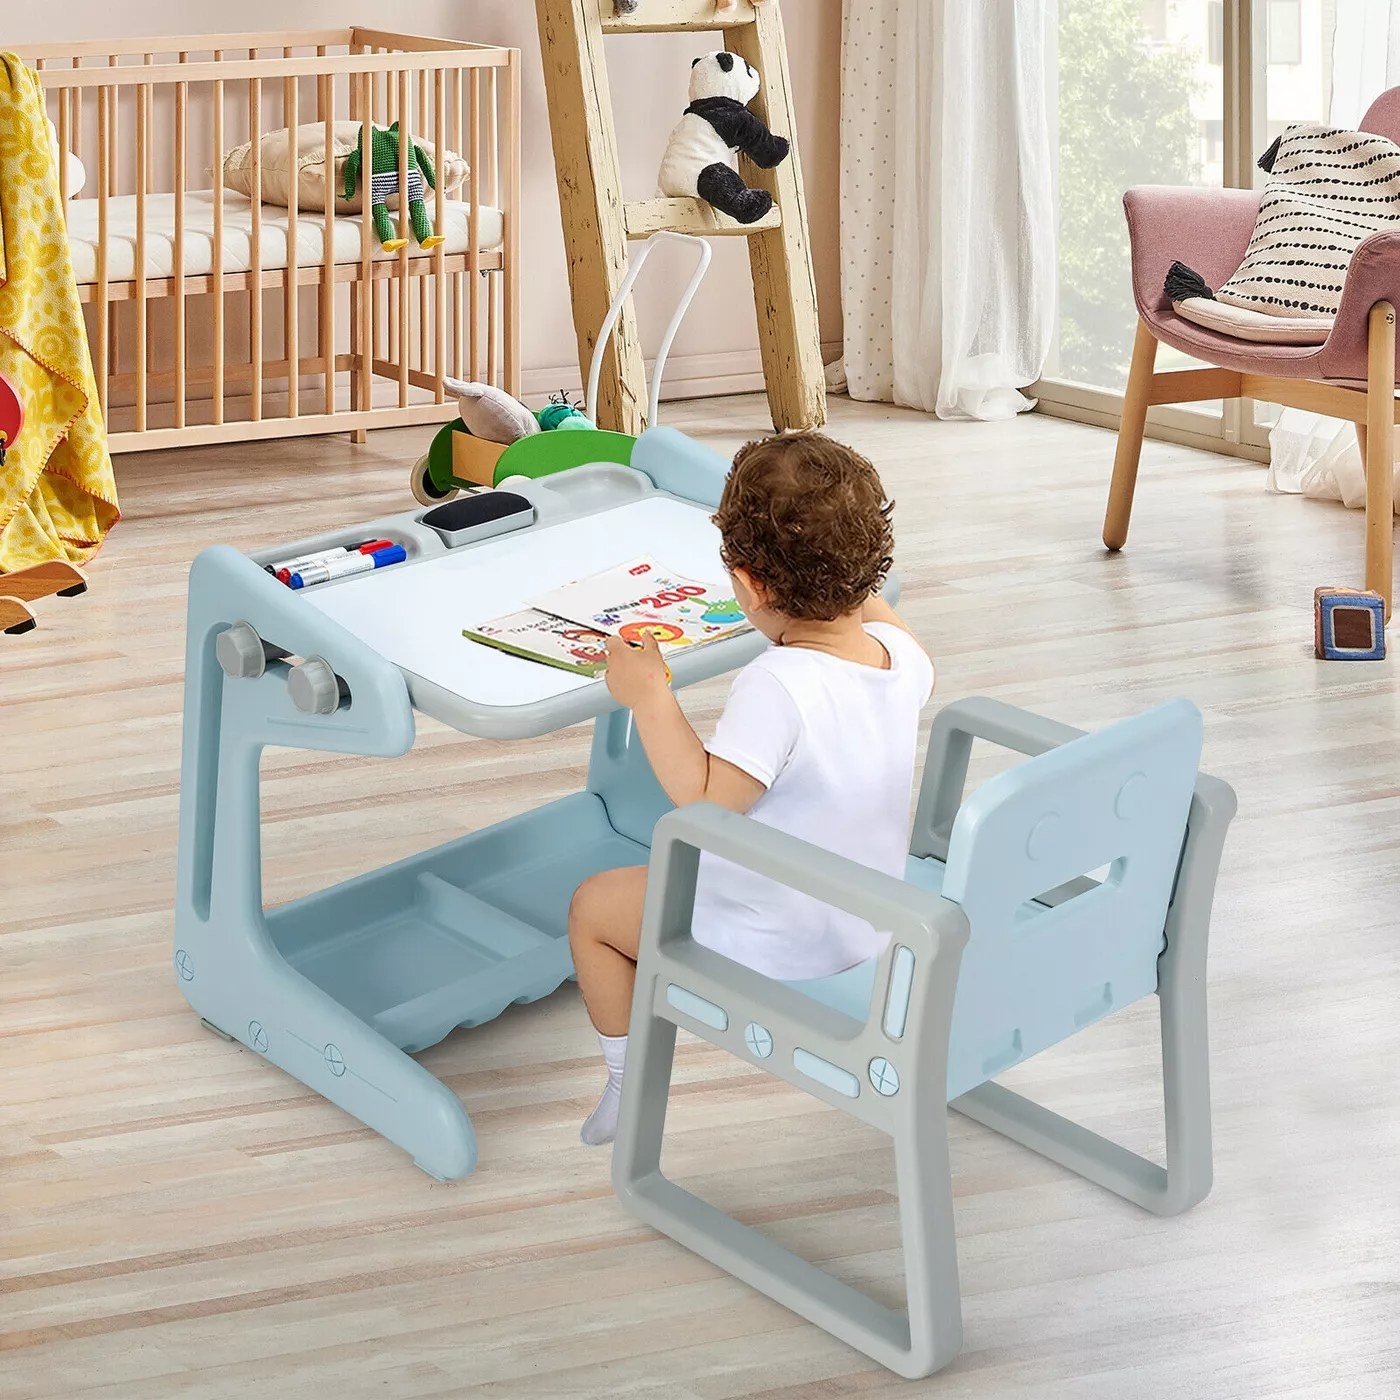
{"x": 619, "y": 772}
{"x": 225, "y": 961}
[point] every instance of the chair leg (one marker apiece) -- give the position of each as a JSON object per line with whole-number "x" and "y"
{"x": 15, "y": 616}
{"x": 914, "y": 1343}
{"x": 1181, "y": 991}
{"x": 1169, "y": 1190}
{"x": 1130, "y": 430}
{"x": 1378, "y": 453}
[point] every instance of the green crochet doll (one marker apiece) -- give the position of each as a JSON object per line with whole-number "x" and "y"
{"x": 384, "y": 181}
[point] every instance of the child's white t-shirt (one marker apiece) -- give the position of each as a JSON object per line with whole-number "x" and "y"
{"x": 833, "y": 741}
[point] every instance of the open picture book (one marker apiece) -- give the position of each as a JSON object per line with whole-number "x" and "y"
{"x": 568, "y": 627}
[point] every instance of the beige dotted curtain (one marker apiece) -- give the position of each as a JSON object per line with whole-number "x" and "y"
{"x": 947, "y": 209}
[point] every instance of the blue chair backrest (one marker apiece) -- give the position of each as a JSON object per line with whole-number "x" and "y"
{"x": 1032, "y": 974}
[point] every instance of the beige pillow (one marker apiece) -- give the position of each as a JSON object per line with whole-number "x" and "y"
{"x": 306, "y": 152}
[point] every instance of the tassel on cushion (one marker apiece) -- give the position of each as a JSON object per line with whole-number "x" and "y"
{"x": 1183, "y": 282}
{"x": 1266, "y": 161}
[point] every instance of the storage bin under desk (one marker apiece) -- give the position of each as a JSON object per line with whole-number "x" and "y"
{"x": 454, "y": 935}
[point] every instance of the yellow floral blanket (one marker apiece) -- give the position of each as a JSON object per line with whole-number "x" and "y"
{"x": 58, "y": 497}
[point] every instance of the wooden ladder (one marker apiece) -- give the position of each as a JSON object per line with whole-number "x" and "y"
{"x": 598, "y": 223}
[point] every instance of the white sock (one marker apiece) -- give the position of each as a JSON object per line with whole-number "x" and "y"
{"x": 601, "y": 1125}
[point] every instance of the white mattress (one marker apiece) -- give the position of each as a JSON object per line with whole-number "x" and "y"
{"x": 238, "y": 235}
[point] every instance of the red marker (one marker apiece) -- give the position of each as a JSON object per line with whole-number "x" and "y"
{"x": 283, "y": 572}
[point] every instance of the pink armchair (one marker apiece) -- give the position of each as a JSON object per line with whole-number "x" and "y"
{"x": 1350, "y": 376}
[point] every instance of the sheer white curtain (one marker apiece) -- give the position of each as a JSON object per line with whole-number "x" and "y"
{"x": 947, "y": 202}
{"x": 1310, "y": 454}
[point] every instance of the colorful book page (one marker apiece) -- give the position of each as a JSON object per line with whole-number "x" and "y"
{"x": 642, "y": 599}
{"x": 553, "y": 641}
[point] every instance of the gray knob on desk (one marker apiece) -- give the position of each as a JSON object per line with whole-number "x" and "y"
{"x": 240, "y": 652}
{"x": 314, "y": 686}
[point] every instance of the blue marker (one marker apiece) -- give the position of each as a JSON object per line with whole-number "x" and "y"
{"x": 347, "y": 567}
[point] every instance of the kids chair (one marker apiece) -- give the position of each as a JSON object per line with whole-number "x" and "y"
{"x": 1002, "y": 943}
{"x": 1350, "y": 376}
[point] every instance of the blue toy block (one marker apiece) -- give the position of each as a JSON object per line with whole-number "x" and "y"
{"x": 1348, "y": 625}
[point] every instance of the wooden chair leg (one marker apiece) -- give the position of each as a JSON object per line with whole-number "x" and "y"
{"x": 14, "y": 615}
{"x": 1130, "y": 430}
{"x": 1378, "y": 451}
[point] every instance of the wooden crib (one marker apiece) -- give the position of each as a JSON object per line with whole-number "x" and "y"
{"x": 215, "y": 316}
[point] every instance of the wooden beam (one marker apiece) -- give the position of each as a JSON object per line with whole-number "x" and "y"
{"x": 1192, "y": 385}
{"x": 311, "y": 275}
{"x": 595, "y": 228}
{"x": 667, "y": 16}
{"x": 1334, "y": 400}
{"x": 1380, "y": 441}
{"x": 645, "y": 217}
{"x": 784, "y": 284}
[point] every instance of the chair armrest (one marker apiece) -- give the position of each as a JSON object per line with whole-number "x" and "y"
{"x": 1374, "y": 275}
{"x": 1206, "y": 229}
{"x": 931, "y": 928}
{"x": 890, "y": 904}
{"x": 949, "y": 749}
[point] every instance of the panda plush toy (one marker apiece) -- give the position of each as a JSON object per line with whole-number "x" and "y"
{"x": 718, "y": 121}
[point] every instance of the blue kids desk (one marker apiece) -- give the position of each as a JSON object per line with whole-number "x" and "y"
{"x": 339, "y": 989}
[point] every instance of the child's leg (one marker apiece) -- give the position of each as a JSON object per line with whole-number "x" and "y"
{"x": 605, "y": 925}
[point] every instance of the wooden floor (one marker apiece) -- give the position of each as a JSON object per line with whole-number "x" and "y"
{"x": 179, "y": 1219}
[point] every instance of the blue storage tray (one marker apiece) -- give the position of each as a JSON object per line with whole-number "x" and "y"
{"x": 453, "y": 936}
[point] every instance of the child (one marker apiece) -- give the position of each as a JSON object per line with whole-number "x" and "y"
{"x": 817, "y": 738}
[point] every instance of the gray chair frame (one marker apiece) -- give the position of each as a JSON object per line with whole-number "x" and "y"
{"x": 681, "y": 984}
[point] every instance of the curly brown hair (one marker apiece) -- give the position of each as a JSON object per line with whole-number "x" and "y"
{"x": 808, "y": 518}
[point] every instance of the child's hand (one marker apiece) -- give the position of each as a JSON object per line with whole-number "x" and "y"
{"x": 635, "y": 673}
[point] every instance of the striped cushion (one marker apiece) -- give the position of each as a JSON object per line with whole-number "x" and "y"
{"x": 1327, "y": 191}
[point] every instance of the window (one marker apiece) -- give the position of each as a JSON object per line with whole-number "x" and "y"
{"x": 1146, "y": 97}
{"x": 1284, "y": 32}
{"x": 1213, "y": 141}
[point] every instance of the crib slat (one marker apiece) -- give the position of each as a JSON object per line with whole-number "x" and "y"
{"x": 440, "y": 226}
{"x": 65, "y": 138}
{"x": 148, "y": 89}
{"x": 218, "y": 250}
{"x": 255, "y": 299}
{"x": 77, "y": 133}
{"x": 142, "y": 155}
{"x": 181, "y": 100}
{"x": 114, "y": 188}
{"x": 366, "y": 318}
{"x": 291, "y": 337}
{"x": 104, "y": 306}
{"x": 113, "y": 174}
{"x": 325, "y": 334}
{"x": 510, "y": 247}
{"x": 474, "y": 220}
{"x": 405, "y": 232}
{"x": 493, "y": 331}
{"x": 459, "y": 140}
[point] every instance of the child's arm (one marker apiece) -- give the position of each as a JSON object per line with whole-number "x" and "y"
{"x": 687, "y": 773}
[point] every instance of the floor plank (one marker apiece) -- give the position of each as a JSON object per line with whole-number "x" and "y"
{"x": 178, "y": 1219}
